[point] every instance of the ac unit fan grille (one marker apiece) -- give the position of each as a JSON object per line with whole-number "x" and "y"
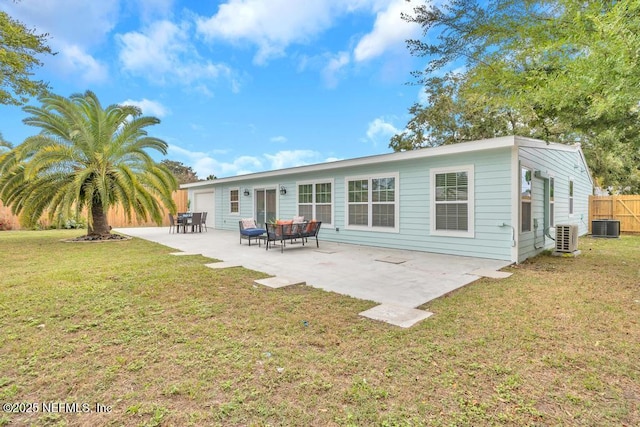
{"x": 566, "y": 238}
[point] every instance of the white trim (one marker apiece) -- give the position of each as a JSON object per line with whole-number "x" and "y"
{"x": 515, "y": 204}
{"x": 571, "y": 200}
{"x": 229, "y": 211}
{"x": 313, "y": 183}
{"x": 552, "y": 205}
{"x": 463, "y": 147}
{"x": 530, "y": 169}
{"x": 370, "y": 227}
{"x": 265, "y": 188}
{"x": 471, "y": 218}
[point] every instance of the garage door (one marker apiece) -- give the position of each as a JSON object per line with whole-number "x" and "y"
{"x": 205, "y": 202}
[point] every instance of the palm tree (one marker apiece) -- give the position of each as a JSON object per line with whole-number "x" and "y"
{"x": 86, "y": 157}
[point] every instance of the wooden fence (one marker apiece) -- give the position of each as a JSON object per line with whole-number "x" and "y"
{"x": 115, "y": 218}
{"x": 625, "y": 209}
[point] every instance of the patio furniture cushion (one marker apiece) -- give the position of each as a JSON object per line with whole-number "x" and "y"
{"x": 298, "y": 219}
{"x": 248, "y": 223}
{"x": 310, "y": 226}
{"x": 253, "y": 231}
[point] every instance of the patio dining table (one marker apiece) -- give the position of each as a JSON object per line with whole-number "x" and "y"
{"x": 185, "y": 220}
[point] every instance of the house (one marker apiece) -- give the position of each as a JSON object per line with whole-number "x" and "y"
{"x": 498, "y": 198}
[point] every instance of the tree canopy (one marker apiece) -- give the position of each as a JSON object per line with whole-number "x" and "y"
{"x": 19, "y": 47}
{"x": 184, "y": 174}
{"x": 86, "y": 157}
{"x": 560, "y": 70}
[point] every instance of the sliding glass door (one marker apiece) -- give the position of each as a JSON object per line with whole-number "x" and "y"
{"x": 265, "y": 206}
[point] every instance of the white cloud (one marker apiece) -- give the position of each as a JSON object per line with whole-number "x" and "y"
{"x": 206, "y": 163}
{"x": 291, "y": 158}
{"x": 89, "y": 23}
{"x": 380, "y": 130}
{"x": 271, "y": 26}
{"x": 153, "y": 9}
{"x": 278, "y": 139}
{"x": 332, "y": 71}
{"x": 274, "y": 25}
{"x": 148, "y": 107}
{"x": 74, "y": 61}
{"x": 72, "y": 34}
{"x": 390, "y": 31}
{"x": 163, "y": 51}
{"x": 423, "y": 97}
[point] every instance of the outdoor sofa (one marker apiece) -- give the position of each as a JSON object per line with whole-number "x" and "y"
{"x": 281, "y": 231}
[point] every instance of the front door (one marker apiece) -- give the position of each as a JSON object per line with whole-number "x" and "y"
{"x": 265, "y": 206}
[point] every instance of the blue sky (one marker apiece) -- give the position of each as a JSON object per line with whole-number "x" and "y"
{"x": 239, "y": 85}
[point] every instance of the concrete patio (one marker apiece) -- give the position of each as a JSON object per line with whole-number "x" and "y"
{"x": 399, "y": 280}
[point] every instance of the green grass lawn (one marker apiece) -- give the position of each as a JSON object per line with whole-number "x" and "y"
{"x": 163, "y": 340}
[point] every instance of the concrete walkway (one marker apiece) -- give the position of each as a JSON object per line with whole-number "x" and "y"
{"x": 395, "y": 278}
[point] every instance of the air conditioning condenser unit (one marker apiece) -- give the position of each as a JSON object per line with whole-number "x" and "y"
{"x": 566, "y": 238}
{"x": 605, "y": 228}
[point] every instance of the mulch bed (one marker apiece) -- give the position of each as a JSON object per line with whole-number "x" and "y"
{"x": 98, "y": 238}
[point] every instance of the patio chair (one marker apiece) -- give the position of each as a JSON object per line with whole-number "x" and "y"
{"x": 196, "y": 222}
{"x": 249, "y": 230}
{"x": 203, "y": 223}
{"x": 182, "y": 221}
{"x": 172, "y": 223}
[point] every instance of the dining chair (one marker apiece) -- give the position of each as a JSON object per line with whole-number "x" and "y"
{"x": 204, "y": 221}
{"x": 182, "y": 221}
{"x": 172, "y": 223}
{"x": 196, "y": 222}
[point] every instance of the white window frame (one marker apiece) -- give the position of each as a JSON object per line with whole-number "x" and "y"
{"x": 530, "y": 169}
{"x": 571, "y": 193}
{"x": 396, "y": 202}
{"x": 231, "y": 190}
{"x": 552, "y": 201}
{"x": 313, "y": 203}
{"x": 470, "y": 170}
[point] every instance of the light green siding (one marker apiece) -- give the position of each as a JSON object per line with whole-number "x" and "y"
{"x": 492, "y": 204}
{"x": 563, "y": 166}
{"x": 494, "y": 207}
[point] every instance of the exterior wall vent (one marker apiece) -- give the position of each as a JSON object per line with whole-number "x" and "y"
{"x": 566, "y": 238}
{"x": 605, "y": 228}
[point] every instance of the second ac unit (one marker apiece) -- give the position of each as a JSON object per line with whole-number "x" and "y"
{"x": 605, "y": 228}
{"x": 566, "y": 238}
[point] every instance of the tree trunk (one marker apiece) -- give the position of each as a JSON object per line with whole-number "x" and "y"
{"x": 99, "y": 217}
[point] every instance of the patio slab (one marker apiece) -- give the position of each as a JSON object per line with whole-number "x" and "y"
{"x": 219, "y": 265}
{"x": 279, "y": 282}
{"x": 492, "y": 274}
{"x": 396, "y": 315}
{"x": 336, "y": 267}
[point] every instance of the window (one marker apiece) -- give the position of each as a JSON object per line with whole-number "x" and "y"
{"x": 525, "y": 200}
{"x": 373, "y": 203}
{"x": 234, "y": 201}
{"x": 552, "y": 212}
{"x": 315, "y": 201}
{"x": 571, "y": 196}
{"x": 452, "y": 201}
